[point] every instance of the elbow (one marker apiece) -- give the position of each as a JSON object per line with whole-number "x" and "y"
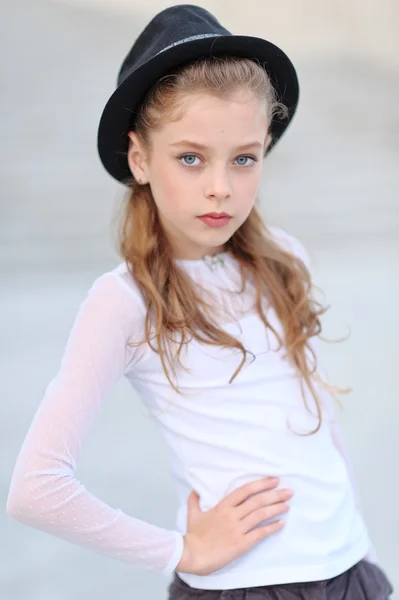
{"x": 16, "y": 506}
{"x": 23, "y": 502}
{"x": 36, "y": 494}
{"x": 23, "y": 507}
{"x": 34, "y": 499}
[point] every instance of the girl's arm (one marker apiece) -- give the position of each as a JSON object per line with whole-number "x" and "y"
{"x": 45, "y": 492}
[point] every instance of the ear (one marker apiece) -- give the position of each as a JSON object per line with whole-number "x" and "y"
{"x": 268, "y": 141}
{"x": 137, "y": 158}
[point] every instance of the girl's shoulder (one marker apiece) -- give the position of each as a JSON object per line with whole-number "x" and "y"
{"x": 114, "y": 293}
{"x": 290, "y": 243}
{"x": 123, "y": 278}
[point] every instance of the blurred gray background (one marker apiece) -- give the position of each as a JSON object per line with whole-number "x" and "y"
{"x": 333, "y": 182}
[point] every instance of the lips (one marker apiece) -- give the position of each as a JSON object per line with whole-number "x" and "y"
{"x": 215, "y": 219}
{"x": 215, "y": 215}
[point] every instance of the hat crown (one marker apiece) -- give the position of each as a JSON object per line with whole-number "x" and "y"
{"x": 168, "y": 28}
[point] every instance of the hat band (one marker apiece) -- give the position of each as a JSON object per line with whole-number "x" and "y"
{"x": 189, "y": 39}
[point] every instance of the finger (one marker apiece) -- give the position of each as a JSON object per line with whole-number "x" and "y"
{"x": 256, "y": 535}
{"x": 263, "y": 514}
{"x": 266, "y": 499}
{"x": 254, "y": 487}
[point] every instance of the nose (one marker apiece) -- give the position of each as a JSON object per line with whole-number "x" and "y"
{"x": 218, "y": 186}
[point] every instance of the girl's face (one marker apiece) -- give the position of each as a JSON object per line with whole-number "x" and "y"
{"x": 209, "y": 161}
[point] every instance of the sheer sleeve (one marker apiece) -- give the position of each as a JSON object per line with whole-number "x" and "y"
{"x": 44, "y": 491}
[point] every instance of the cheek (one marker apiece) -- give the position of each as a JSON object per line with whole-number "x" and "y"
{"x": 170, "y": 198}
{"x": 247, "y": 187}
{"x": 162, "y": 185}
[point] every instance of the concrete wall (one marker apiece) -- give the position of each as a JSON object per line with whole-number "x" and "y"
{"x": 366, "y": 29}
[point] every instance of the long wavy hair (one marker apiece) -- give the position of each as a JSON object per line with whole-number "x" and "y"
{"x": 173, "y": 303}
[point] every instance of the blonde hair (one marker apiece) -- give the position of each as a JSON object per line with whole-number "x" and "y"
{"x": 172, "y": 301}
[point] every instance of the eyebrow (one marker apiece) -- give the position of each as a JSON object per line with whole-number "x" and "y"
{"x": 202, "y": 147}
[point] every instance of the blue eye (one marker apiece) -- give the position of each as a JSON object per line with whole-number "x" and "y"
{"x": 189, "y": 160}
{"x": 190, "y": 156}
{"x": 246, "y": 158}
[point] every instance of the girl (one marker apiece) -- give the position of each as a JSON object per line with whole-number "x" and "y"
{"x": 210, "y": 316}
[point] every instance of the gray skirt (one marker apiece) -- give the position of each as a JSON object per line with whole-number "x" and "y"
{"x": 364, "y": 581}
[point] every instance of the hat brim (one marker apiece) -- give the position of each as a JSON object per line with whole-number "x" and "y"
{"x": 118, "y": 114}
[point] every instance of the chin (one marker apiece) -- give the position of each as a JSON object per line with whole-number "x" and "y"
{"x": 218, "y": 240}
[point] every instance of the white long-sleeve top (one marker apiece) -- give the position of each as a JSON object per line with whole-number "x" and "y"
{"x": 220, "y": 436}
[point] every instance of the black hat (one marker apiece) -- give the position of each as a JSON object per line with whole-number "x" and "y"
{"x": 177, "y": 35}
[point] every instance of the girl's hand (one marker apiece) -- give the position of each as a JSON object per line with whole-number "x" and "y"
{"x": 216, "y": 537}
